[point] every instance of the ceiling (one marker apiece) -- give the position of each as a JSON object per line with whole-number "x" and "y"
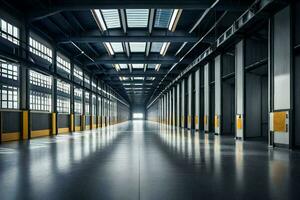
{"x": 137, "y": 47}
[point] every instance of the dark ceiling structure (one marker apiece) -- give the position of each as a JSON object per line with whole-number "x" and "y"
{"x": 137, "y": 47}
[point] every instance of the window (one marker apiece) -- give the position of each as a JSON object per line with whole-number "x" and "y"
{"x": 9, "y": 85}
{"x": 10, "y": 32}
{"x": 40, "y": 101}
{"x": 78, "y": 73}
{"x": 40, "y": 49}
{"x": 94, "y": 85}
{"x": 78, "y": 100}
{"x": 63, "y": 97}
{"x": 78, "y": 92}
{"x": 87, "y": 103}
{"x": 63, "y": 63}
{"x": 137, "y": 18}
{"x": 40, "y": 80}
{"x": 94, "y": 105}
{"x": 63, "y": 104}
{"x": 40, "y": 91}
{"x": 138, "y": 115}
{"x": 99, "y": 106}
{"x": 9, "y": 96}
{"x": 63, "y": 87}
{"x": 87, "y": 81}
{"x": 9, "y": 70}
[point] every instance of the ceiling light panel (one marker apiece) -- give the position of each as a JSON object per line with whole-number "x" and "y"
{"x": 137, "y": 46}
{"x": 111, "y": 18}
{"x": 138, "y": 66}
{"x": 117, "y": 47}
{"x": 163, "y": 18}
{"x": 137, "y": 18}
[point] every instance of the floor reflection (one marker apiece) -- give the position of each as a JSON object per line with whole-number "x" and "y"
{"x": 146, "y": 160}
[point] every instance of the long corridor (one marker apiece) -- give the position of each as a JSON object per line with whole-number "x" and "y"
{"x": 145, "y": 160}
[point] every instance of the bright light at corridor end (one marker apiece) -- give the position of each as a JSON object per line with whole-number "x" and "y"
{"x": 138, "y": 115}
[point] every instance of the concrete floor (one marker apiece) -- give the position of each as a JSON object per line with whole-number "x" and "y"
{"x": 144, "y": 160}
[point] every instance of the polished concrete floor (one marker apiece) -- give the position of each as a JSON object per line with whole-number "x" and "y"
{"x": 144, "y": 160}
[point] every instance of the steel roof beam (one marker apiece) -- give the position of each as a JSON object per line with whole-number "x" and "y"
{"x": 135, "y": 59}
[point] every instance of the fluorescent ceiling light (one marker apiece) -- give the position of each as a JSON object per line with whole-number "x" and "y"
{"x": 138, "y": 83}
{"x": 174, "y": 19}
{"x": 109, "y": 48}
{"x": 164, "y": 48}
{"x": 157, "y": 67}
{"x": 99, "y": 19}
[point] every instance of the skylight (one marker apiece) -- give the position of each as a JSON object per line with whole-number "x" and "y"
{"x": 150, "y": 78}
{"x": 164, "y": 48}
{"x": 174, "y": 19}
{"x": 137, "y": 18}
{"x": 138, "y": 66}
{"x": 123, "y": 78}
{"x": 109, "y": 48}
{"x": 151, "y": 66}
{"x": 99, "y": 19}
{"x": 156, "y": 47}
{"x": 111, "y": 18}
{"x": 162, "y": 18}
{"x": 157, "y": 67}
{"x": 117, "y": 47}
{"x": 117, "y": 67}
{"x": 138, "y": 78}
{"x": 123, "y": 66}
{"x": 137, "y": 46}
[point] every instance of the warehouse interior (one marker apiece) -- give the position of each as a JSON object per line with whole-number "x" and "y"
{"x": 149, "y": 99}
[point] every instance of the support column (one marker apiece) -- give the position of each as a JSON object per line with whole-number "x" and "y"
{"x": 280, "y": 49}
{"x": 183, "y": 118}
{"x": 174, "y": 113}
{"x": 218, "y": 95}
{"x": 206, "y": 98}
{"x": 239, "y": 89}
{"x": 178, "y": 105}
{"x": 197, "y": 99}
{"x": 190, "y": 94}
